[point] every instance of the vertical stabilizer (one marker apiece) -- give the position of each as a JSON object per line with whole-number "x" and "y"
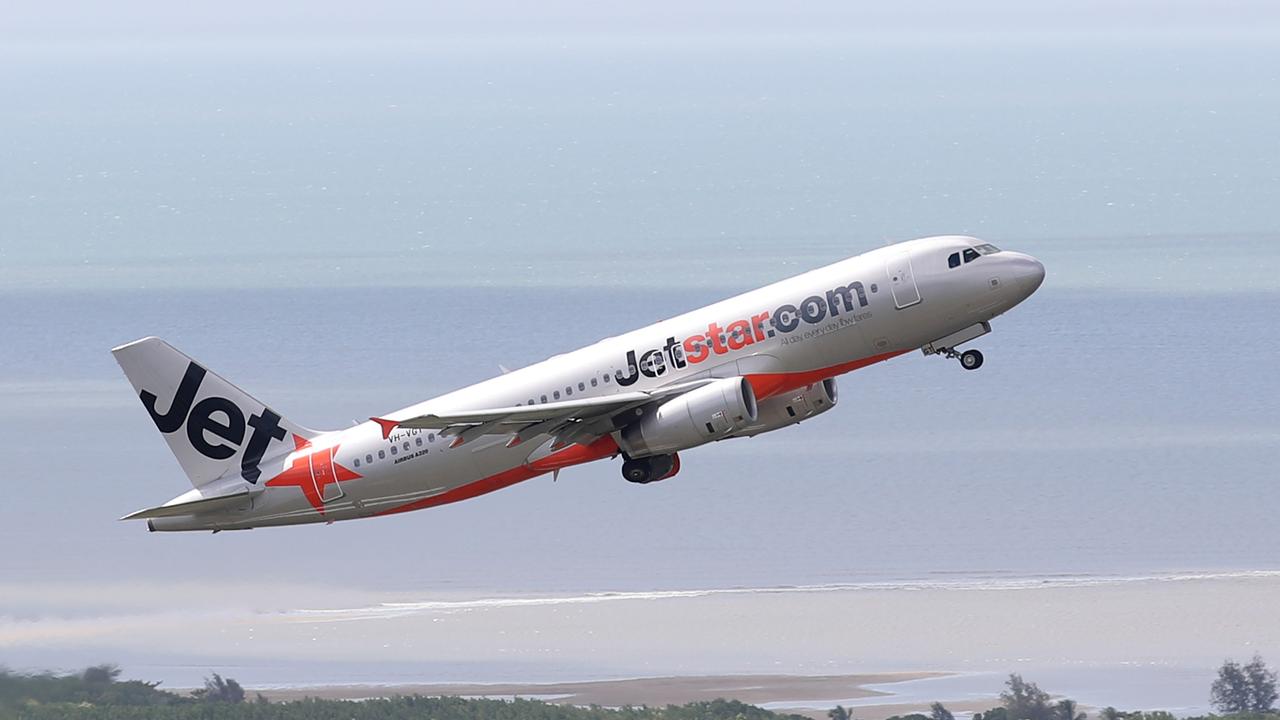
{"x": 213, "y": 427}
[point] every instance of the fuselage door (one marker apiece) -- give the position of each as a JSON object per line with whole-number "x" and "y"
{"x": 902, "y": 281}
{"x": 324, "y": 475}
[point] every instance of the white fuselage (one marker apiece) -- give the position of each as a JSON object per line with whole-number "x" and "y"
{"x": 787, "y": 335}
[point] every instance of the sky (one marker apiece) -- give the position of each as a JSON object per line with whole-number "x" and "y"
{"x": 406, "y": 144}
{"x": 292, "y": 19}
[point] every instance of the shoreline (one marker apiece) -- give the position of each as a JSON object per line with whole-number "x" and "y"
{"x": 782, "y": 693}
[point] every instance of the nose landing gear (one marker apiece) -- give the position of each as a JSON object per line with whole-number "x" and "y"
{"x": 946, "y": 347}
{"x": 969, "y": 359}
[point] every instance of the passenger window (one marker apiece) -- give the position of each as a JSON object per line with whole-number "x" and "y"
{"x": 382, "y": 454}
{"x": 406, "y": 446}
{"x": 530, "y": 401}
{"x": 393, "y": 450}
{"x": 595, "y": 382}
{"x": 418, "y": 441}
{"x": 357, "y": 462}
{"x": 605, "y": 378}
{"x": 544, "y": 398}
{"x": 368, "y": 458}
{"x": 970, "y": 255}
{"x": 568, "y": 391}
{"x": 582, "y": 386}
{"x": 431, "y": 437}
{"x": 555, "y": 395}
{"x": 954, "y": 260}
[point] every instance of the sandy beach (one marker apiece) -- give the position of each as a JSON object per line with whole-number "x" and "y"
{"x": 756, "y": 689}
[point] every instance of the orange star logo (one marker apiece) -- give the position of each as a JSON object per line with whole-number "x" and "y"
{"x": 312, "y": 471}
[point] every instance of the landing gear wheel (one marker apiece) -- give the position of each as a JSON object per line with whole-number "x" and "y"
{"x": 970, "y": 359}
{"x": 638, "y": 471}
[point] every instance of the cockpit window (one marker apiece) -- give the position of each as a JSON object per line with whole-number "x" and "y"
{"x": 987, "y": 249}
{"x": 954, "y": 260}
{"x": 970, "y": 255}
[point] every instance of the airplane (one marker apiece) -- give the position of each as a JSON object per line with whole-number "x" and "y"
{"x": 754, "y": 363}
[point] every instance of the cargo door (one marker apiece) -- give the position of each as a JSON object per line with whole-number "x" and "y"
{"x": 324, "y": 475}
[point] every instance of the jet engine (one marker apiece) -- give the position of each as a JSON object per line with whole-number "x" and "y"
{"x": 711, "y": 412}
{"x": 790, "y": 408}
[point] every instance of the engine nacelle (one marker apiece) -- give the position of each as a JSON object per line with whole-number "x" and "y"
{"x": 714, "y": 411}
{"x": 790, "y": 408}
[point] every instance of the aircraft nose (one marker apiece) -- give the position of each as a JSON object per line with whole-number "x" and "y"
{"x": 1029, "y": 273}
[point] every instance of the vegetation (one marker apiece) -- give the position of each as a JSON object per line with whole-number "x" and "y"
{"x": 96, "y": 694}
{"x": 1247, "y": 692}
{"x": 1248, "y": 689}
{"x": 1024, "y": 700}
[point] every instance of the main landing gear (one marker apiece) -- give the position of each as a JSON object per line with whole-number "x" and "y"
{"x": 969, "y": 359}
{"x": 648, "y": 469}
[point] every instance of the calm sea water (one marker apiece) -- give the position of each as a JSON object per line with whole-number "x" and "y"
{"x": 1109, "y": 433}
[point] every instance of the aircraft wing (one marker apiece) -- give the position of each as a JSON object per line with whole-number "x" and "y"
{"x": 570, "y": 421}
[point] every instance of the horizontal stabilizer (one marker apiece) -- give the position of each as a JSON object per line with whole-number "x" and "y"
{"x": 180, "y": 506}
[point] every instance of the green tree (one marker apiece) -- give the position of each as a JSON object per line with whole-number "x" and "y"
{"x": 1024, "y": 700}
{"x": 1152, "y": 715}
{"x": 938, "y": 712}
{"x": 993, "y": 714}
{"x": 838, "y": 713}
{"x": 1066, "y": 710}
{"x": 1230, "y": 692}
{"x": 1262, "y": 685}
{"x": 219, "y": 690}
{"x": 1251, "y": 688}
{"x": 100, "y": 674}
{"x": 1110, "y": 713}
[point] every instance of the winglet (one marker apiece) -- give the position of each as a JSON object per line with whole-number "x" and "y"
{"x": 386, "y": 425}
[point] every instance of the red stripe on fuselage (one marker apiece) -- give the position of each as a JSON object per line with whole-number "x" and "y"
{"x": 769, "y": 384}
{"x": 764, "y": 384}
{"x": 572, "y": 455}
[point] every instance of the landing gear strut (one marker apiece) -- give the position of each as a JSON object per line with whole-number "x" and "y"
{"x": 946, "y": 346}
{"x": 648, "y": 469}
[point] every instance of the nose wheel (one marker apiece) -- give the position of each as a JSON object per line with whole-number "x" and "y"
{"x": 970, "y": 359}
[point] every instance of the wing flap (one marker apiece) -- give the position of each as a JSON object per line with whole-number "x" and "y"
{"x": 525, "y": 414}
{"x": 586, "y": 419}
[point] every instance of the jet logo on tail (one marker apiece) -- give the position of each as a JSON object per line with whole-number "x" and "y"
{"x": 217, "y": 418}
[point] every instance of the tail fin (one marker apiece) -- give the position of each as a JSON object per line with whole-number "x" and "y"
{"x": 213, "y": 427}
